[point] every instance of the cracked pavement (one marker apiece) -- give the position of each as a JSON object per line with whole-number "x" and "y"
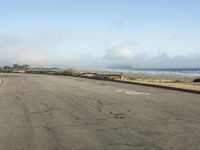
{"x": 43, "y": 112}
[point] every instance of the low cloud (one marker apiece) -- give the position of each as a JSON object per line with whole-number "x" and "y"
{"x": 122, "y": 51}
{"x": 179, "y": 61}
{"x": 38, "y": 49}
{"x": 51, "y": 50}
{"x": 129, "y": 53}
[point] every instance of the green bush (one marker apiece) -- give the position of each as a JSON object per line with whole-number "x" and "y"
{"x": 196, "y": 80}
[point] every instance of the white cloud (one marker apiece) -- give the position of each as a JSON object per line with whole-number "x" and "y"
{"x": 130, "y": 53}
{"x": 124, "y": 51}
{"x": 54, "y": 50}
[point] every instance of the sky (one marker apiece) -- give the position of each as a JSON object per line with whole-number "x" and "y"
{"x": 94, "y": 34}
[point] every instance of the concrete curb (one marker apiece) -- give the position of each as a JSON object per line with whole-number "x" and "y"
{"x": 161, "y": 86}
{"x": 147, "y": 85}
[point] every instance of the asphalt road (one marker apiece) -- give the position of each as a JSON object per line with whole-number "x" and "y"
{"x": 41, "y": 112}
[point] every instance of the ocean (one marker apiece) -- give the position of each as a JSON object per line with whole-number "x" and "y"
{"x": 187, "y": 72}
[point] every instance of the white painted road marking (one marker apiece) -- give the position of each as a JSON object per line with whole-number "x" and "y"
{"x": 132, "y": 92}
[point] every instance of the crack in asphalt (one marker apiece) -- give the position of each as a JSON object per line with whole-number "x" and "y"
{"x": 1, "y": 81}
{"x": 135, "y": 145}
{"x": 48, "y": 108}
{"x": 54, "y": 113}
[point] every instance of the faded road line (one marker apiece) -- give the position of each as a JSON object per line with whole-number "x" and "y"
{"x": 132, "y": 92}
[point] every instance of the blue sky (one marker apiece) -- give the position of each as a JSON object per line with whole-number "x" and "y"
{"x": 98, "y": 33}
